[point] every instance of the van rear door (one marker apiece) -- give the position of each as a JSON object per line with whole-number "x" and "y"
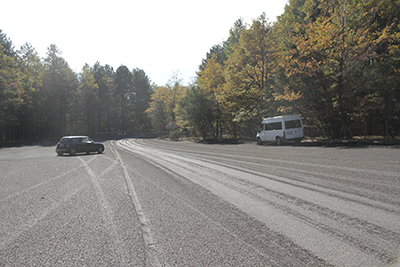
{"x": 294, "y": 129}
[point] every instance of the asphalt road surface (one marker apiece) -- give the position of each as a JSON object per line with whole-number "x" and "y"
{"x": 163, "y": 203}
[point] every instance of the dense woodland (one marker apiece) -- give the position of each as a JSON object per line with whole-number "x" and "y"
{"x": 45, "y": 99}
{"x": 336, "y": 63}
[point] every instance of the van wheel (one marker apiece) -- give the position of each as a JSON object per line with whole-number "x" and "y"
{"x": 278, "y": 141}
{"x": 259, "y": 141}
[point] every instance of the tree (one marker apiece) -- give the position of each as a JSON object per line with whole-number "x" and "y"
{"x": 211, "y": 80}
{"x": 234, "y": 38}
{"x": 88, "y": 100}
{"x": 142, "y": 89}
{"x": 248, "y": 73}
{"x": 164, "y": 102}
{"x": 328, "y": 60}
{"x": 31, "y": 112}
{"x": 176, "y": 92}
{"x": 382, "y": 94}
{"x": 195, "y": 111}
{"x": 221, "y": 52}
{"x": 7, "y": 45}
{"x": 106, "y": 113}
{"x": 124, "y": 96}
{"x": 218, "y": 53}
{"x": 10, "y": 90}
{"x": 157, "y": 110}
{"x": 59, "y": 91}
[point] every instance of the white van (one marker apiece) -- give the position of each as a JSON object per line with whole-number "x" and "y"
{"x": 281, "y": 128}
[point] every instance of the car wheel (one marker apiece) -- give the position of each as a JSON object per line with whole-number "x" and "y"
{"x": 259, "y": 141}
{"x": 278, "y": 141}
{"x": 100, "y": 150}
{"x": 72, "y": 152}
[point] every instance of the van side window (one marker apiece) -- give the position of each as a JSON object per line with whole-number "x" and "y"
{"x": 292, "y": 124}
{"x": 273, "y": 126}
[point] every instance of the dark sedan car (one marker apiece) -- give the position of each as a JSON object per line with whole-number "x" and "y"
{"x": 78, "y": 144}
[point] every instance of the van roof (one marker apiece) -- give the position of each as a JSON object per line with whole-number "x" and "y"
{"x": 282, "y": 118}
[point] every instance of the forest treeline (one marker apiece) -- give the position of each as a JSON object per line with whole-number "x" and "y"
{"x": 334, "y": 62}
{"x": 44, "y": 99}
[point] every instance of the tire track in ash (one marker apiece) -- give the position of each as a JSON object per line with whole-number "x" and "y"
{"x": 151, "y": 245}
{"x": 306, "y": 167}
{"x": 36, "y": 217}
{"x": 107, "y": 215}
{"x": 278, "y": 179}
{"x": 284, "y": 201}
{"x": 26, "y": 190}
{"x": 291, "y": 204}
{"x": 314, "y": 187}
{"x": 27, "y": 225}
{"x": 159, "y": 160}
{"x": 19, "y": 229}
{"x": 388, "y": 206}
{"x": 291, "y": 177}
{"x": 123, "y": 145}
{"x": 339, "y": 179}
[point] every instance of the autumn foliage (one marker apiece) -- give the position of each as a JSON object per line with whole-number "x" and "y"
{"x": 337, "y": 63}
{"x": 334, "y": 62}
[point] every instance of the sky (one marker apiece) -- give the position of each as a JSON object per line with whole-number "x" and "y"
{"x": 161, "y": 37}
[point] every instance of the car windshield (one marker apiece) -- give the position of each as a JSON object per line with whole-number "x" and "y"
{"x": 86, "y": 140}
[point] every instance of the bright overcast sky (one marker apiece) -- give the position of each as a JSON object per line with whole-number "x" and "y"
{"x": 161, "y": 37}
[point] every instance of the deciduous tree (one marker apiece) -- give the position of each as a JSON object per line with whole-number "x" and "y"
{"x": 211, "y": 80}
{"x": 248, "y": 72}
{"x": 328, "y": 59}
{"x": 195, "y": 112}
